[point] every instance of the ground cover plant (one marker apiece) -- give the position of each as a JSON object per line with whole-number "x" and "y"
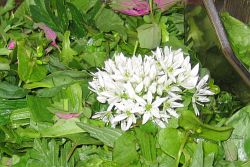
{"x": 113, "y": 83}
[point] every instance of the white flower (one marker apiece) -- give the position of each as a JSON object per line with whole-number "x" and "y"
{"x": 149, "y": 88}
{"x": 126, "y": 113}
{"x": 151, "y": 108}
{"x": 201, "y": 93}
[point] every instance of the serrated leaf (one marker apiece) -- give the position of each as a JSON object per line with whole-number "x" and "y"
{"x": 42, "y": 12}
{"x": 106, "y": 135}
{"x": 77, "y": 27}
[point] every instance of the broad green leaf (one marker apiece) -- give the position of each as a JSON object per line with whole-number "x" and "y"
{"x": 113, "y": 23}
{"x": 58, "y": 78}
{"x": 20, "y": 117}
{"x": 189, "y": 121}
{"x": 197, "y": 159}
{"x": 38, "y": 109}
{"x": 238, "y": 34}
{"x": 74, "y": 94}
{"x": 124, "y": 152}
{"x": 9, "y": 91}
{"x": 28, "y": 69}
{"x": 95, "y": 58}
{"x": 107, "y": 135}
{"x": 83, "y": 138}
{"x": 67, "y": 53}
{"x": 165, "y": 160}
{"x": 170, "y": 140}
{"x": 149, "y": 31}
{"x": 4, "y": 66}
{"x": 238, "y": 144}
{"x": 209, "y": 160}
{"x": 7, "y": 106}
{"x": 27, "y": 133}
{"x": 147, "y": 144}
{"x": 85, "y": 5}
{"x": 62, "y": 128}
{"x": 231, "y": 151}
{"x": 4, "y": 51}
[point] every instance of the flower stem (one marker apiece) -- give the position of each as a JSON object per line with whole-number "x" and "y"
{"x": 135, "y": 48}
{"x": 151, "y": 10}
{"x": 181, "y": 149}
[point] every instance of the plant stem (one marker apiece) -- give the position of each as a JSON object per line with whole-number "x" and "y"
{"x": 135, "y": 48}
{"x": 151, "y": 10}
{"x": 181, "y": 149}
{"x": 71, "y": 152}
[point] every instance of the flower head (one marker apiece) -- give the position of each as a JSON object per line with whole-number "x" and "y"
{"x": 49, "y": 34}
{"x": 131, "y": 7}
{"x": 140, "y": 7}
{"x": 148, "y": 88}
{"x": 11, "y": 45}
{"x": 163, "y": 5}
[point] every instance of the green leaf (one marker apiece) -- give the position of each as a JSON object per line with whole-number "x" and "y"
{"x": 95, "y": 58}
{"x": 20, "y": 117}
{"x": 147, "y": 144}
{"x": 28, "y": 69}
{"x": 4, "y": 67}
{"x": 10, "y": 4}
{"x": 107, "y": 135}
{"x": 83, "y": 138}
{"x": 42, "y": 12}
{"x": 238, "y": 34}
{"x": 46, "y": 154}
{"x": 85, "y": 5}
{"x": 38, "y": 109}
{"x": 209, "y": 160}
{"x": 62, "y": 128}
{"x": 74, "y": 94}
{"x": 4, "y": 51}
{"x": 67, "y": 53}
{"x": 238, "y": 144}
{"x": 197, "y": 159}
{"x": 6, "y": 108}
{"x": 77, "y": 27}
{"x": 9, "y": 91}
{"x": 149, "y": 31}
{"x": 231, "y": 151}
{"x": 58, "y": 78}
{"x": 170, "y": 140}
{"x": 189, "y": 121}
{"x": 113, "y": 23}
{"x": 124, "y": 152}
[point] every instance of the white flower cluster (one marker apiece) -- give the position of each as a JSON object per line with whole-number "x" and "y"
{"x": 149, "y": 88}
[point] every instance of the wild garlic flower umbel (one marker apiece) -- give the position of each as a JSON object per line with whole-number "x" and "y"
{"x": 150, "y": 88}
